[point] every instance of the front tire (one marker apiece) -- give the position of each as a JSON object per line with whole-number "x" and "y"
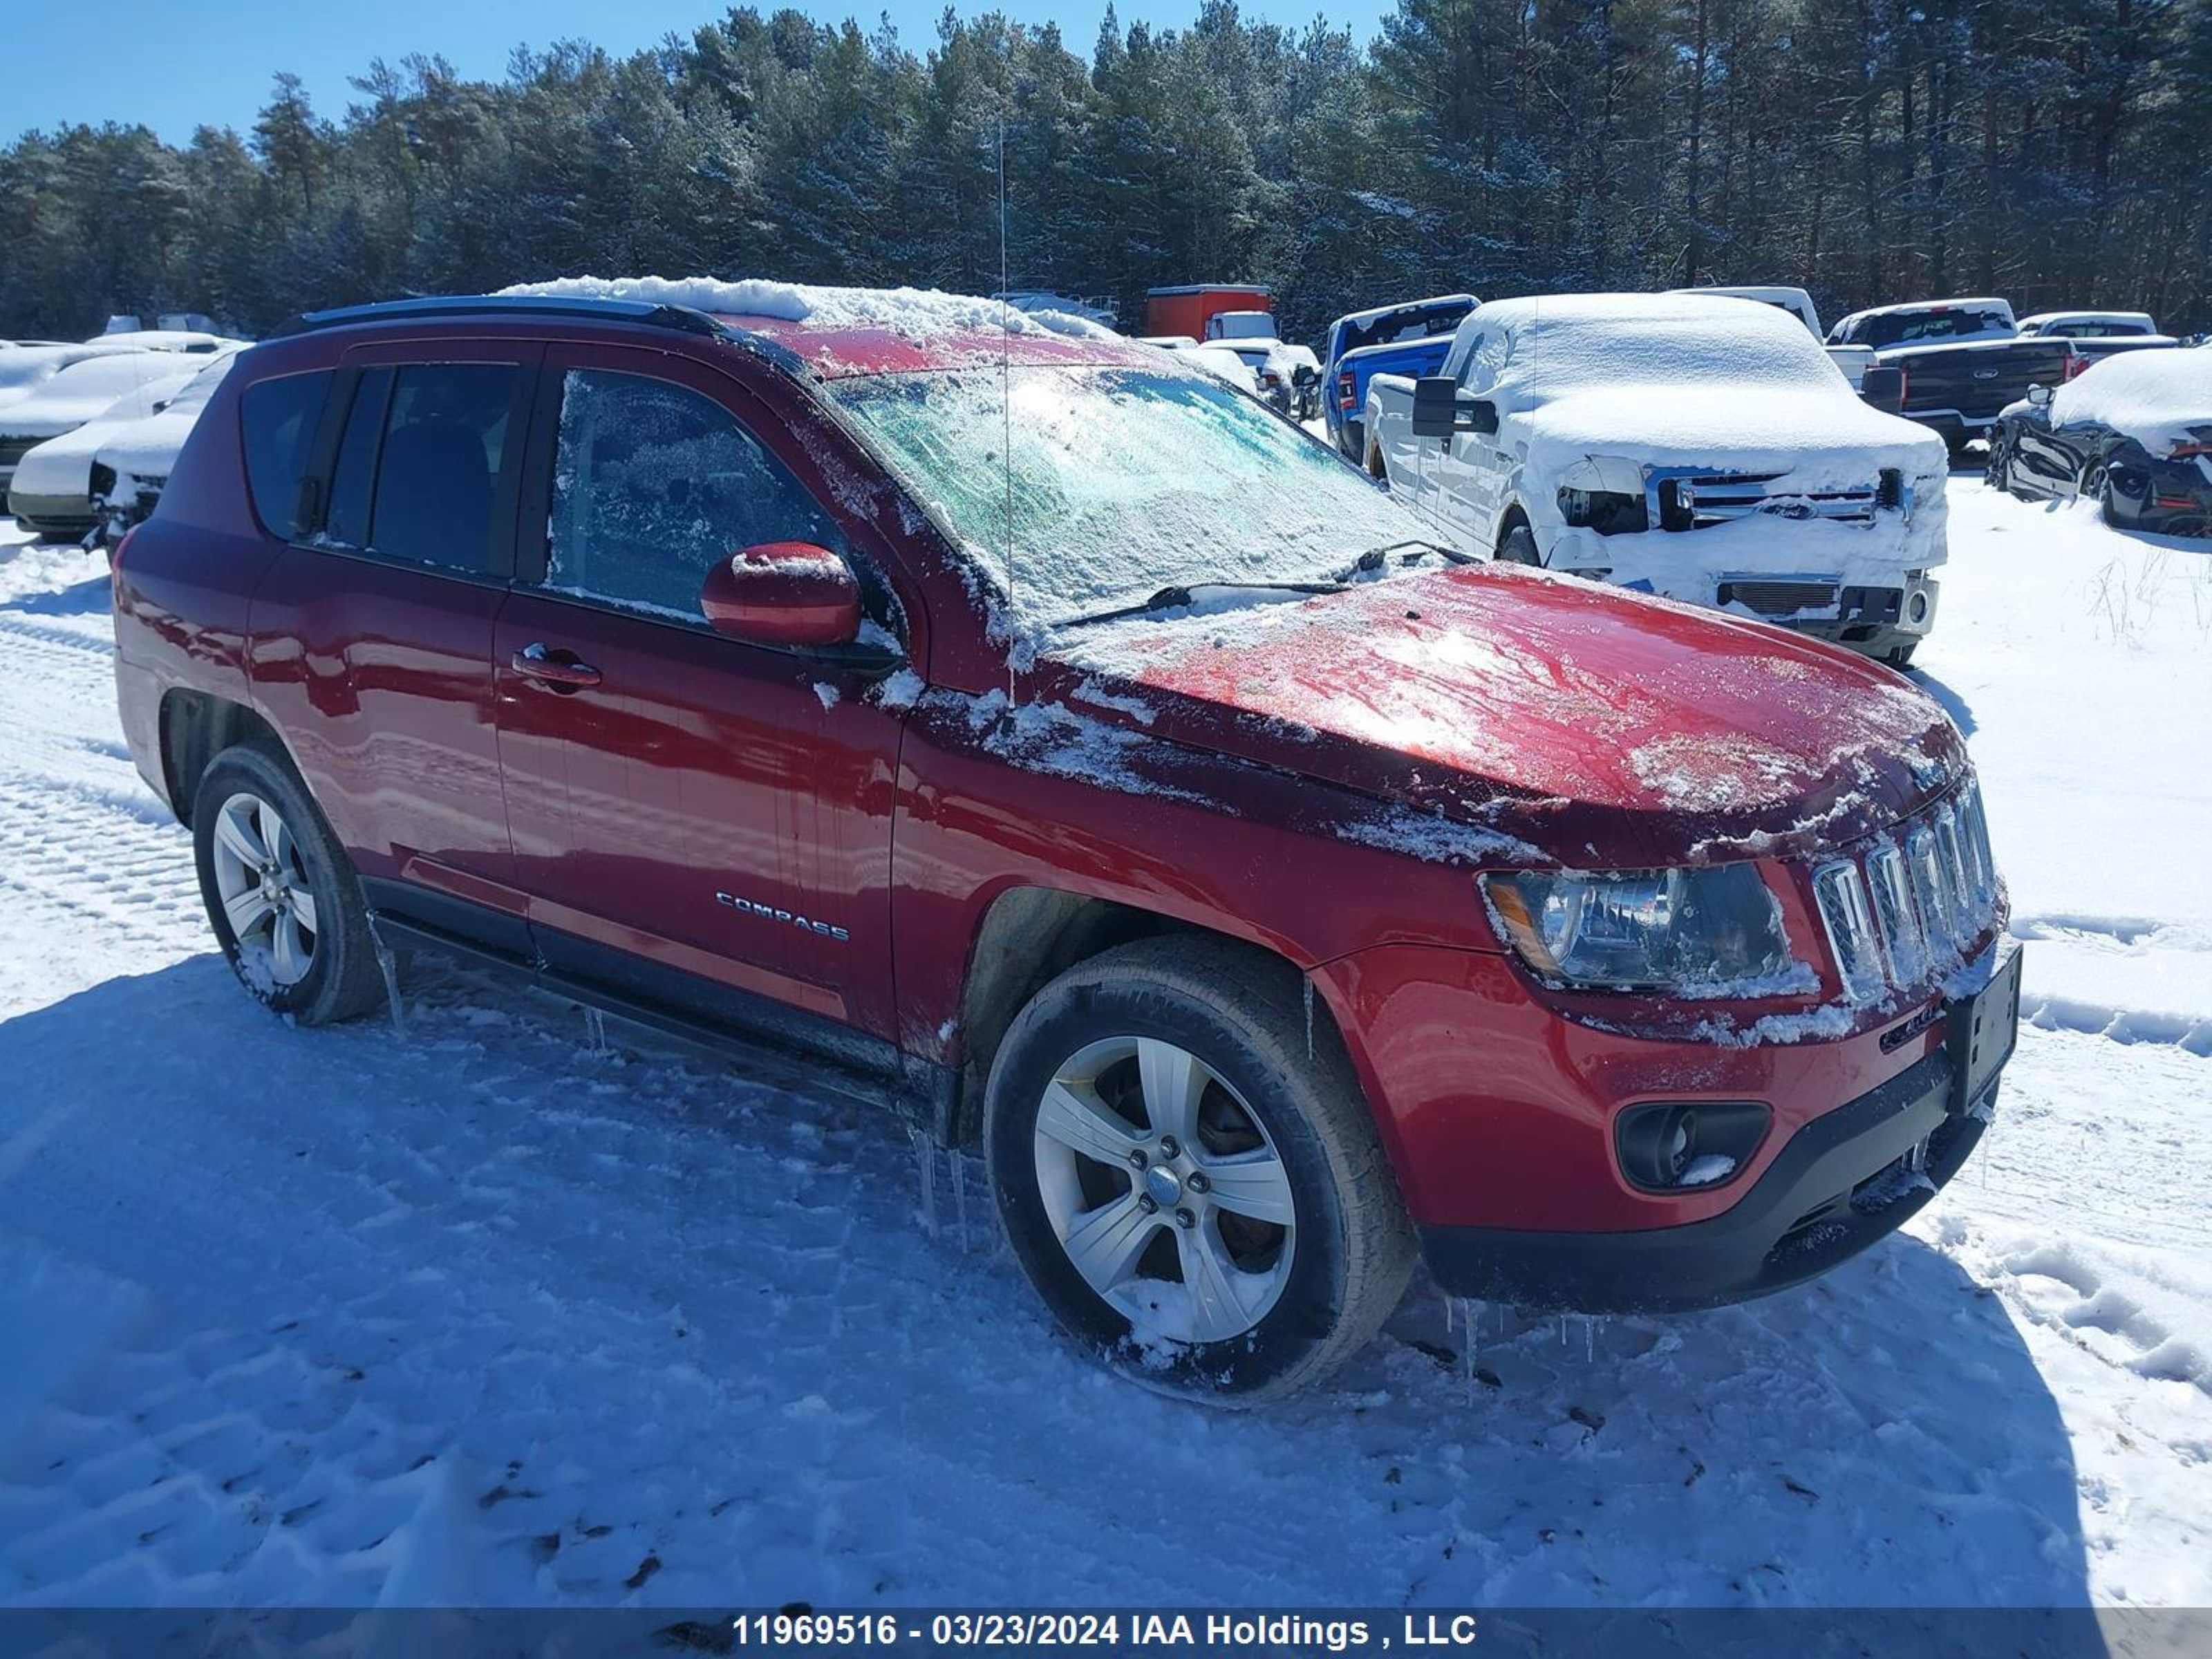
{"x": 281, "y": 895}
{"x": 1193, "y": 1182}
{"x": 1996, "y": 473}
{"x": 1519, "y": 547}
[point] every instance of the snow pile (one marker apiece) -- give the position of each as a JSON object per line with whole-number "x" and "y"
{"x": 913, "y": 313}
{"x": 2159, "y": 399}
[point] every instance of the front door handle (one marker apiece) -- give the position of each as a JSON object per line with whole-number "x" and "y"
{"x": 562, "y": 669}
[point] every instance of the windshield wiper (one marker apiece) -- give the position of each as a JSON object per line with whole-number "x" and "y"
{"x": 1180, "y": 595}
{"x": 1374, "y": 558}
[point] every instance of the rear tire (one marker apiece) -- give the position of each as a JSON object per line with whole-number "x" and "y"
{"x": 281, "y": 895}
{"x": 1194, "y": 1186}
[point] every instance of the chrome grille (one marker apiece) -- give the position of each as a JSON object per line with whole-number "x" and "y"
{"x": 1779, "y": 599}
{"x": 1910, "y": 904}
{"x": 1691, "y": 501}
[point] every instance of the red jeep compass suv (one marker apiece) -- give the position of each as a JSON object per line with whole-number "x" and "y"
{"x": 1061, "y": 749}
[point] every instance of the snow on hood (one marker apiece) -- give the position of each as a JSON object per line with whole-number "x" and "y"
{"x": 915, "y": 313}
{"x": 1605, "y": 728}
{"x": 2156, "y": 397}
{"x": 1685, "y": 379}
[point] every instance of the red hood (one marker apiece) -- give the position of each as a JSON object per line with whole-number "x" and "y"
{"x": 1605, "y": 728}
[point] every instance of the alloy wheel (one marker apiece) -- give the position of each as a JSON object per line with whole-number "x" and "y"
{"x": 1164, "y": 1190}
{"x": 261, "y": 879}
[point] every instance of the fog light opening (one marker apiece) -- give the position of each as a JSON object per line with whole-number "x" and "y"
{"x": 1917, "y": 608}
{"x": 1681, "y": 1147}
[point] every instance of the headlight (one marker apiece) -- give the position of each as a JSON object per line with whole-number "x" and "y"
{"x": 1714, "y": 932}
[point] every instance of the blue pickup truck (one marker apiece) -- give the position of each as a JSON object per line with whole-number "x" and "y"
{"x": 1410, "y": 338}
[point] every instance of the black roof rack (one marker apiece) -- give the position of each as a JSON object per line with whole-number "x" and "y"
{"x": 680, "y": 318}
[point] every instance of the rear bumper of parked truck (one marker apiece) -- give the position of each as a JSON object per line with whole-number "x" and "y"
{"x": 1507, "y": 1137}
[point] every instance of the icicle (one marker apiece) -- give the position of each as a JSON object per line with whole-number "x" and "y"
{"x": 960, "y": 1197}
{"x": 1467, "y": 1352}
{"x": 1589, "y": 1339}
{"x": 925, "y": 1169}
{"x": 388, "y": 965}
{"x": 1448, "y": 1316}
{"x": 595, "y": 1031}
{"x": 1310, "y": 1018}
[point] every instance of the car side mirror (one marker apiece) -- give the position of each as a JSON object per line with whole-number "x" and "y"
{"x": 1305, "y": 375}
{"x": 783, "y": 593}
{"x": 2039, "y": 395}
{"x": 1441, "y": 408}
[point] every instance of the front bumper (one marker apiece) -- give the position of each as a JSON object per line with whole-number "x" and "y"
{"x": 52, "y": 514}
{"x": 1847, "y": 1180}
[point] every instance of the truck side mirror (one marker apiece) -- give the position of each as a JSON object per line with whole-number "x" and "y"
{"x": 1441, "y": 408}
{"x": 1435, "y": 406}
{"x": 2039, "y": 395}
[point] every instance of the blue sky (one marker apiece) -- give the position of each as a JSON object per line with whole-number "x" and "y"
{"x": 173, "y": 66}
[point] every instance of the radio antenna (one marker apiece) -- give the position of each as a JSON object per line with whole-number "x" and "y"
{"x": 1006, "y": 385}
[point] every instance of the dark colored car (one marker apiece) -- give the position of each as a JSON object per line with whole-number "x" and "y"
{"x": 1059, "y": 751}
{"x": 2132, "y": 433}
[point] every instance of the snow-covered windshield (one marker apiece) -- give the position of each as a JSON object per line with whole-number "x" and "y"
{"x": 1124, "y": 482}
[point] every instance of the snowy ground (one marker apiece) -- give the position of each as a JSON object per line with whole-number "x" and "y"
{"x": 486, "y": 1311}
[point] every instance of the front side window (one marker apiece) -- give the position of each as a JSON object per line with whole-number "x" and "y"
{"x": 419, "y": 462}
{"x": 277, "y": 420}
{"x": 652, "y": 484}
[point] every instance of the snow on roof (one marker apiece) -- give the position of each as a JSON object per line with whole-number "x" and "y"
{"x": 1687, "y": 379}
{"x": 1377, "y": 313}
{"x": 913, "y": 313}
{"x": 1979, "y": 302}
{"x": 2132, "y": 319}
{"x": 90, "y": 389}
{"x": 2152, "y": 397}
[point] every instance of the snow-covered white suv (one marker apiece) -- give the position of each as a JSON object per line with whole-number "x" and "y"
{"x": 1685, "y": 445}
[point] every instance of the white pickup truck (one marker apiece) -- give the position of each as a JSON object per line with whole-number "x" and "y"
{"x": 1685, "y": 445}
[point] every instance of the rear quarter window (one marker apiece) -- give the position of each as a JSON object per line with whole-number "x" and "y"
{"x": 277, "y": 419}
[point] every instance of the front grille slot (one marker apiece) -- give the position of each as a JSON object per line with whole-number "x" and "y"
{"x": 1778, "y": 598}
{"x": 1694, "y": 500}
{"x": 1929, "y": 891}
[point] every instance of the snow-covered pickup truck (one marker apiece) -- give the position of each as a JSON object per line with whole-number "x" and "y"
{"x": 1964, "y": 361}
{"x": 1684, "y": 445}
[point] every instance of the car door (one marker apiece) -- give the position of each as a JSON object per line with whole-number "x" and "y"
{"x": 697, "y": 819}
{"x": 373, "y": 628}
{"x": 1477, "y": 470}
{"x": 2045, "y": 458}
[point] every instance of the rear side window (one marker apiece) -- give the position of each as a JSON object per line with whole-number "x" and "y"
{"x": 654, "y": 483}
{"x": 277, "y": 420}
{"x": 418, "y": 466}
